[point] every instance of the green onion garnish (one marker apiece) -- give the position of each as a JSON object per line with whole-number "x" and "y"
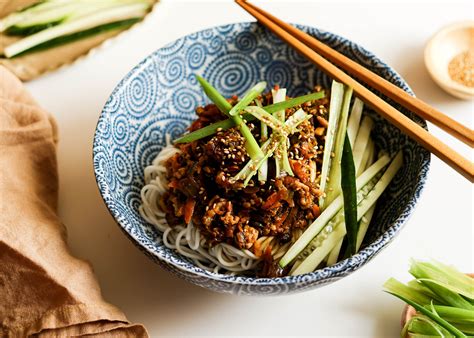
{"x": 229, "y": 123}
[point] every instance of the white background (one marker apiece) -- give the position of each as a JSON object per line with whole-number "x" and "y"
{"x": 441, "y": 226}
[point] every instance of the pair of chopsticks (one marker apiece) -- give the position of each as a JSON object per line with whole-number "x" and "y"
{"x": 319, "y": 53}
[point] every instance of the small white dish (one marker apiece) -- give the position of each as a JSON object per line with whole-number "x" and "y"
{"x": 442, "y": 48}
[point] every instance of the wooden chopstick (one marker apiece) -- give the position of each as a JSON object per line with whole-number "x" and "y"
{"x": 397, "y": 94}
{"x": 413, "y": 130}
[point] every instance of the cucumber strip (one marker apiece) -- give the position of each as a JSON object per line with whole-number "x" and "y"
{"x": 334, "y": 254}
{"x": 349, "y": 193}
{"x": 263, "y": 170}
{"x": 381, "y": 185}
{"x": 248, "y": 97}
{"x": 334, "y": 183}
{"x": 361, "y": 141}
{"x": 354, "y": 120}
{"x": 367, "y": 153}
{"x": 364, "y": 226}
{"x": 317, "y": 256}
{"x": 365, "y": 203}
{"x": 335, "y": 105}
{"x": 229, "y": 123}
{"x": 336, "y": 221}
{"x": 81, "y": 35}
{"x": 329, "y": 213}
{"x": 92, "y": 21}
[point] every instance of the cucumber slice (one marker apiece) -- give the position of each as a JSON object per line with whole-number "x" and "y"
{"x": 112, "y": 15}
{"x": 335, "y": 105}
{"x": 328, "y": 213}
{"x": 80, "y": 35}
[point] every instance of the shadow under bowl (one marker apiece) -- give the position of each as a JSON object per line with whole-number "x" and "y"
{"x": 158, "y": 97}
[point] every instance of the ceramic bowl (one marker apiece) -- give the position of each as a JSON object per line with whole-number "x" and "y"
{"x": 442, "y": 48}
{"x": 158, "y": 97}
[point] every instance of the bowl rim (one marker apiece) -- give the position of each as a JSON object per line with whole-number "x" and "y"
{"x": 349, "y": 265}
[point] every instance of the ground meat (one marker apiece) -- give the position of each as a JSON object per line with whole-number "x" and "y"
{"x": 201, "y": 188}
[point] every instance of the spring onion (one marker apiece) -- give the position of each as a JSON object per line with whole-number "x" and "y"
{"x": 248, "y": 98}
{"x": 251, "y": 145}
{"x": 107, "y": 16}
{"x": 270, "y": 120}
{"x": 335, "y": 105}
{"x": 229, "y": 123}
{"x": 436, "y": 315}
{"x": 269, "y": 147}
{"x": 263, "y": 170}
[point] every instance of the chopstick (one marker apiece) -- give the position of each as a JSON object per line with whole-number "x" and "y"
{"x": 406, "y": 125}
{"x": 397, "y": 94}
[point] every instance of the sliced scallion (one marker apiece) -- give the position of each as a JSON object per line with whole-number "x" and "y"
{"x": 248, "y": 98}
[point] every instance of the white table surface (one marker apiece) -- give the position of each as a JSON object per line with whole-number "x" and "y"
{"x": 440, "y": 227}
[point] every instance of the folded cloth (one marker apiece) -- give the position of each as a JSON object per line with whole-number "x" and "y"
{"x": 44, "y": 290}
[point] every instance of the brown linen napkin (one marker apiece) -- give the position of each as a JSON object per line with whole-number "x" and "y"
{"x": 44, "y": 290}
{"x": 32, "y": 65}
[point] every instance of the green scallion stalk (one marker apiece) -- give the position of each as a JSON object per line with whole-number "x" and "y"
{"x": 454, "y": 314}
{"x": 291, "y": 103}
{"x": 440, "y": 321}
{"x": 269, "y": 147}
{"x": 248, "y": 98}
{"x": 263, "y": 170}
{"x": 349, "y": 193}
{"x": 229, "y": 123}
{"x": 251, "y": 145}
{"x": 271, "y": 121}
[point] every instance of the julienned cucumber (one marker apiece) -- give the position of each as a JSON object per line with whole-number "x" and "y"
{"x": 334, "y": 183}
{"x": 111, "y": 15}
{"x": 335, "y": 106}
{"x": 316, "y": 257}
{"x": 329, "y": 213}
{"x": 335, "y": 221}
{"x": 49, "y": 13}
{"x": 80, "y": 35}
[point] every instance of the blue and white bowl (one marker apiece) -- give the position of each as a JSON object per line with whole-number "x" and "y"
{"x": 158, "y": 97}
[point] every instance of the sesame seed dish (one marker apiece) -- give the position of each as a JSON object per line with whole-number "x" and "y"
{"x": 267, "y": 185}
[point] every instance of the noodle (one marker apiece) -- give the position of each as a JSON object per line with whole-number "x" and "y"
{"x": 186, "y": 239}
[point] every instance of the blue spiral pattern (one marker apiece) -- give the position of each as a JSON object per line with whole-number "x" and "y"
{"x": 141, "y": 92}
{"x": 279, "y": 73}
{"x": 196, "y": 56}
{"x": 158, "y": 97}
